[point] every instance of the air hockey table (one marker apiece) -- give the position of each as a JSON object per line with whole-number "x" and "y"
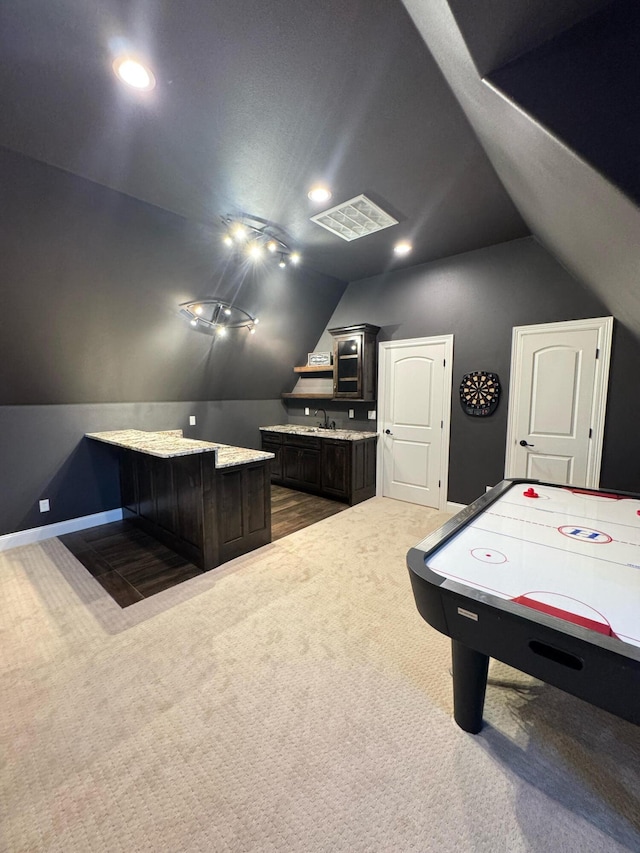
{"x": 544, "y": 578}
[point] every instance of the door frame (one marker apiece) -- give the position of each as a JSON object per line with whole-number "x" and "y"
{"x": 383, "y": 348}
{"x": 604, "y": 327}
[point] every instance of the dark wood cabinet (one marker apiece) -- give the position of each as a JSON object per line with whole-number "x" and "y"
{"x": 353, "y": 371}
{"x": 335, "y": 468}
{"x": 272, "y": 443}
{"x": 244, "y": 509}
{"x": 209, "y": 515}
{"x": 301, "y": 462}
{"x": 354, "y": 362}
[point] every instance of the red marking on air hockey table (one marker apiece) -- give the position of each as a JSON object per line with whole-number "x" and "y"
{"x": 579, "y": 550}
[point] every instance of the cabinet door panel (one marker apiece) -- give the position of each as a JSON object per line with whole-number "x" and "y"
{"x": 128, "y": 486}
{"x": 335, "y": 468}
{"x": 348, "y": 367}
{"x": 310, "y": 467}
{"x": 231, "y": 515}
{"x": 146, "y": 500}
{"x": 258, "y": 499}
{"x": 188, "y": 499}
{"x": 163, "y": 489}
{"x": 276, "y": 464}
{"x": 290, "y": 464}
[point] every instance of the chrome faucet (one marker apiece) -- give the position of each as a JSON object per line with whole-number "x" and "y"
{"x": 325, "y": 425}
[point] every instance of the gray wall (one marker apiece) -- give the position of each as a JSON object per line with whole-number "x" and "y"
{"x": 478, "y": 297}
{"x": 91, "y": 337}
{"x": 91, "y": 283}
{"x": 43, "y": 452}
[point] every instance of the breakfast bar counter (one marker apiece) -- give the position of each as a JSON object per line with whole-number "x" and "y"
{"x": 209, "y": 502}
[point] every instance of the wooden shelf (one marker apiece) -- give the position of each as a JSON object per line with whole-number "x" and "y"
{"x": 315, "y": 368}
{"x": 309, "y": 396}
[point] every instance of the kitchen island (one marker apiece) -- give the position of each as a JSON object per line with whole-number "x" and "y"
{"x": 207, "y": 501}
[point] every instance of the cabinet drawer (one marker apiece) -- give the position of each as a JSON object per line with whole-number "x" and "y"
{"x": 271, "y": 437}
{"x": 305, "y": 441}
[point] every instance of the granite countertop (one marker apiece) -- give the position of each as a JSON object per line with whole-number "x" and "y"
{"x": 343, "y": 434}
{"x": 172, "y": 443}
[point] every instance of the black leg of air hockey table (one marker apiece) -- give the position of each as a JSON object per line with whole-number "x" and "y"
{"x": 469, "y": 686}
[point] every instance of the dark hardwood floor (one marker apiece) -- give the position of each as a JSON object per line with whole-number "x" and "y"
{"x": 291, "y": 510}
{"x": 131, "y": 565}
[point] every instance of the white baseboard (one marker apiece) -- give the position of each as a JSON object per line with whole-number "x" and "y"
{"x": 454, "y": 507}
{"x": 37, "y": 534}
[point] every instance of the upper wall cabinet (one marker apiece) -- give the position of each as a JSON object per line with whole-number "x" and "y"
{"x": 354, "y": 362}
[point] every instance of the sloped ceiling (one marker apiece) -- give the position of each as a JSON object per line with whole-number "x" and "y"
{"x": 255, "y": 102}
{"x": 497, "y": 31}
{"x": 576, "y": 211}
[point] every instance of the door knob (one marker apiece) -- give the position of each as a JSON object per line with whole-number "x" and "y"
{"x": 524, "y": 443}
{"x": 388, "y": 432}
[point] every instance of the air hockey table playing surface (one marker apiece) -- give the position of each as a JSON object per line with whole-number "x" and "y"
{"x": 545, "y": 578}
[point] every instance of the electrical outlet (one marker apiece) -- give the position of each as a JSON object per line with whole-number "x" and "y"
{"x": 371, "y": 414}
{"x": 306, "y": 411}
{"x": 44, "y": 505}
{"x": 192, "y": 420}
{"x": 352, "y": 414}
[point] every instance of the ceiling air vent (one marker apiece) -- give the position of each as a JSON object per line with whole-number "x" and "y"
{"x": 355, "y": 218}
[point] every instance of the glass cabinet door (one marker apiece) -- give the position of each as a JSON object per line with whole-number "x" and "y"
{"x": 348, "y": 366}
{"x": 354, "y": 362}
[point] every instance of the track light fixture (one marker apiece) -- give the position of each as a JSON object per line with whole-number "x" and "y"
{"x": 216, "y": 315}
{"x": 257, "y": 239}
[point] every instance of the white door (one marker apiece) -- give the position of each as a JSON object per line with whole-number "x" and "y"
{"x": 557, "y": 400}
{"x": 415, "y": 408}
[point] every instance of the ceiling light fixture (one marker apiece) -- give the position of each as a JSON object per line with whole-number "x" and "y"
{"x": 319, "y": 193}
{"x": 257, "y": 239}
{"x": 217, "y": 315}
{"x": 134, "y": 73}
{"x": 402, "y": 248}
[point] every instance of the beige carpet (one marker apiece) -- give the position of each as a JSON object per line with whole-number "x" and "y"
{"x": 291, "y": 701}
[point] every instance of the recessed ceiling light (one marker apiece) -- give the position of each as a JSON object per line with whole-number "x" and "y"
{"x": 134, "y": 73}
{"x": 319, "y": 193}
{"x": 402, "y": 248}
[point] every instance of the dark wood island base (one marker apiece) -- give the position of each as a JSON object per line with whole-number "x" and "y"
{"x": 198, "y": 503}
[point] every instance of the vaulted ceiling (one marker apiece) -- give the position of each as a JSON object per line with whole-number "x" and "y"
{"x": 559, "y": 121}
{"x": 254, "y": 103}
{"x": 471, "y": 123}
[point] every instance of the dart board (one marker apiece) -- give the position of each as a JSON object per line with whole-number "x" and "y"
{"x": 479, "y": 393}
